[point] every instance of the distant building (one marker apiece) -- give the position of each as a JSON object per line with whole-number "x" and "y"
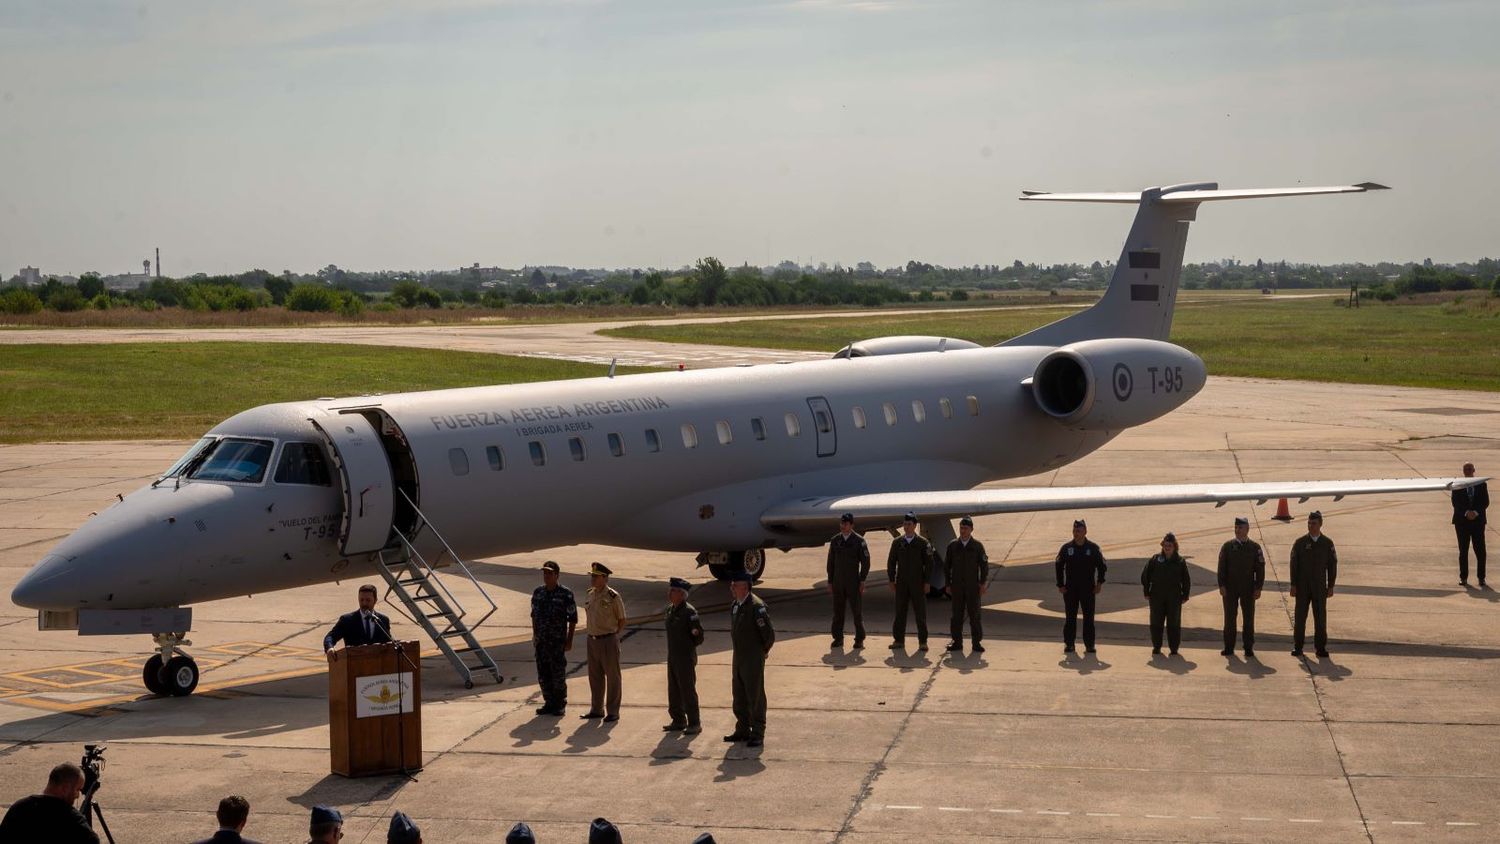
{"x": 30, "y": 276}
{"x": 125, "y": 281}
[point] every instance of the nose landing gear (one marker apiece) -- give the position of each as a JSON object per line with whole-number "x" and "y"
{"x": 170, "y": 672}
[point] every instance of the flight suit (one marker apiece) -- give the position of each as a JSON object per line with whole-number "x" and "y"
{"x": 848, "y": 566}
{"x": 967, "y": 567}
{"x": 1315, "y": 565}
{"x": 908, "y": 566}
{"x": 751, "y": 636}
{"x": 684, "y": 635}
{"x": 1079, "y": 567}
{"x": 1242, "y": 573}
{"x": 552, "y": 610}
{"x": 1167, "y": 586}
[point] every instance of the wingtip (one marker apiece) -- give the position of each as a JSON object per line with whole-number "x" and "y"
{"x": 1372, "y": 186}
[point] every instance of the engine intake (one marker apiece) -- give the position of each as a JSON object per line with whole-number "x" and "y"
{"x": 1114, "y": 384}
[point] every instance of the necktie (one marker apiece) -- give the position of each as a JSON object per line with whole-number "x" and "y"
{"x": 369, "y": 629}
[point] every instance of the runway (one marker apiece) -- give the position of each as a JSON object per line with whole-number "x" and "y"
{"x": 1389, "y": 740}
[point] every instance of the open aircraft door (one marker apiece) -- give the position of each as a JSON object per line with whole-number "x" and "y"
{"x": 365, "y": 478}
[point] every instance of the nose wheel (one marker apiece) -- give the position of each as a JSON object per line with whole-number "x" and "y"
{"x": 170, "y": 672}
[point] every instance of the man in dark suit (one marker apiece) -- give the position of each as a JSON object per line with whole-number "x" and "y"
{"x": 1469, "y": 505}
{"x": 364, "y": 626}
{"x": 233, "y": 812}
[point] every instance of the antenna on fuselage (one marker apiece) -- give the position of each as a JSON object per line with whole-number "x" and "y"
{"x": 612, "y": 367}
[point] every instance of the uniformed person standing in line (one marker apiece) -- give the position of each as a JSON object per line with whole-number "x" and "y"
{"x": 1242, "y": 572}
{"x": 1080, "y": 576}
{"x": 908, "y": 567}
{"x": 554, "y": 617}
{"x": 684, "y": 635}
{"x": 1167, "y": 585}
{"x": 1315, "y": 566}
{"x": 751, "y": 635}
{"x": 848, "y": 566}
{"x": 606, "y": 621}
{"x": 967, "y": 570}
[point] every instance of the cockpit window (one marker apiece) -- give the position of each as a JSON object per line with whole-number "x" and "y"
{"x": 234, "y": 459}
{"x": 303, "y": 463}
{"x": 198, "y": 450}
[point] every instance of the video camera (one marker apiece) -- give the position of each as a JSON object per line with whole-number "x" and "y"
{"x": 93, "y": 769}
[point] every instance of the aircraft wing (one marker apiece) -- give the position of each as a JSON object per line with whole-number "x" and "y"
{"x": 889, "y": 507}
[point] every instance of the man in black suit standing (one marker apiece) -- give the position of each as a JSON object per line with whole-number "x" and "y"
{"x": 1469, "y": 505}
{"x": 364, "y": 626}
{"x": 233, "y": 812}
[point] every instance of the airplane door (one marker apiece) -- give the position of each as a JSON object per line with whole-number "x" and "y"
{"x": 823, "y": 423}
{"x": 365, "y": 479}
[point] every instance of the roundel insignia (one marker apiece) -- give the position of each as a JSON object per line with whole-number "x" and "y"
{"x": 1123, "y": 382}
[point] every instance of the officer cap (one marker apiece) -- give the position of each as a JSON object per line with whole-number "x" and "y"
{"x": 1241, "y": 521}
{"x": 1171, "y": 537}
{"x": 705, "y": 838}
{"x": 1080, "y": 523}
{"x": 552, "y": 567}
{"x": 742, "y": 577}
{"x": 599, "y": 568}
{"x": 326, "y": 814}
{"x": 602, "y": 831}
{"x": 847, "y": 517}
{"x": 909, "y": 517}
{"x": 402, "y": 830}
{"x": 520, "y": 834}
{"x": 679, "y": 583}
{"x": 966, "y": 521}
{"x": 1316, "y": 514}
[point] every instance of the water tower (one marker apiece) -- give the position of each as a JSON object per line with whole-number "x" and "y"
{"x": 146, "y": 268}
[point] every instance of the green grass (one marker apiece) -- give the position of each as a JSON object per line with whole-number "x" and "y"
{"x": 1418, "y": 345}
{"x": 180, "y": 390}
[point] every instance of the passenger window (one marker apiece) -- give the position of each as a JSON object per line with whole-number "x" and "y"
{"x": 616, "y": 445}
{"x": 726, "y": 436}
{"x": 758, "y": 427}
{"x": 859, "y": 417}
{"x": 793, "y": 425}
{"x": 919, "y": 411}
{"x": 575, "y": 448}
{"x": 458, "y": 460}
{"x": 973, "y": 405}
{"x": 947, "y": 408}
{"x": 653, "y": 442}
{"x": 822, "y": 420}
{"x": 689, "y": 436}
{"x": 237, "y": 460}
{"x": 303, "y": 463}
{"x": 496, "y": 456}
{"x": 890, "y": 413}
{"x": 538, "y": 454}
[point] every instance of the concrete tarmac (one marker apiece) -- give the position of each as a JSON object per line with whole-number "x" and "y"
{"x": 1387, "y": 740}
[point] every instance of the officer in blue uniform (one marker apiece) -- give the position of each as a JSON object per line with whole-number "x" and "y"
{"x": 554, "y": 616}
{"x": 1080, "y": 576}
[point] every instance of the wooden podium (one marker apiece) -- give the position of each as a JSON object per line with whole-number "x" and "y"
{"x": 370, "y": 721}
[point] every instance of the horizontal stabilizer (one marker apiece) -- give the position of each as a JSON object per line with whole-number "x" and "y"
{"x": 1201, "y": 192}
{"x": 889, "y": 507}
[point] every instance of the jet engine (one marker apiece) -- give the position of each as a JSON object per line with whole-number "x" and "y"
{"x": 1117, "y": 383}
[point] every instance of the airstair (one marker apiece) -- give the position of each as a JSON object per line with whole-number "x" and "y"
{"x": 424, "y": 599}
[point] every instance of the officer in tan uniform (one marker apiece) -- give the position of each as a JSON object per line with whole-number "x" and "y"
{"x": 606, "y": 621}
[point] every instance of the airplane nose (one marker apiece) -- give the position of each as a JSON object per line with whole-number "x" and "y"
{"x": 48, "y": 586}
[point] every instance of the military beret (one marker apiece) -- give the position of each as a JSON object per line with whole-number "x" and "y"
{"x": 1080, "y": 523}
{"x": 741, "y": 577}
{"x": 1241, "y": 521}
{"x": 847, "y": 517}
{"x": 599, "y": 568}
{"x": 909, "y": 517}
{"x": 520, "y": 834}
{"x": 552, "y": 567}
{"x": 1316, "y": 514}
{"x": 326, "y": 814}
{"x": 402, "y": 830}
{"x": 602, "y": 831}
{"x": 679, "y": 583}
{"x": 1171, "y": 537}
{"x": 966, "y": 521}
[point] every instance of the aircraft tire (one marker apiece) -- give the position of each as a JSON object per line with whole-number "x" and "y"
{"x": 754, "y": 562}
{"x": 179, "y": 677}
{"x": 720, "y": 572}
{"x": 151, "y": 676}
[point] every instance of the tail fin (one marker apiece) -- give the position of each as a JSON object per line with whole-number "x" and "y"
{"x": 1142, "y": 292}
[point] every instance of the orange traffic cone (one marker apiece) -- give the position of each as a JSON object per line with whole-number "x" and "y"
{"x": 1282, "y": 513}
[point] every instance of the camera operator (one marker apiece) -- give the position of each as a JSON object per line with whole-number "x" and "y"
{"x": 50, "y": 816}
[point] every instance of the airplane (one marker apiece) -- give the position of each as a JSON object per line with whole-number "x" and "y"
{"x": 726, "y": 462}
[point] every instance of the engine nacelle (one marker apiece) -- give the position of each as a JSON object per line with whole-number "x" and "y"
{"x": 904, "y": 344}
{"x": 1110, "y": 385}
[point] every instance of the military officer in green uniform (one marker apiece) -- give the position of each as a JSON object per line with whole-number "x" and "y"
{"x": 908, "y": 567}
{"x": 1165, "y": 579}
{"x": 968, "y": 570}
{"x": 848, "y": 566}
{"x": 1242, "y": 572}
{"x": 684, "y": 635}
{"x": 1315, "y": 565}
{"x": 751, "y": 635}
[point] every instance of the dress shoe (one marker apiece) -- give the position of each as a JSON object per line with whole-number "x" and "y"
{"x": 1249, "y": 653}
{"x": 590, "y": 715}
{"x": 754, "y": 742}
{"x": 1322, "y": 654}
{"x": 954, "y": 646}
{"x": 837, "y": 643}
{"x": 1089, "y": 650}
{"x": 734, "y": 737}
{"x": 1069, "y": 649}
{"x": 673, "y": 727}
{"x": 1174, "y": 652}
{"x": 922, "y": 645}
{"x": 978, "y": 648}
{"x": 1226, "y": 652}
{"x": 1296, "y": 652}
{"x": 896, "y": 646}
{"x": 610, "y": 719}
{"x": 1464, "y": 584}
{"x": 547, "y": 710}
{"x": 859, "y": 643}
{"x": 1156, "y": 651}
{"x": 692, "y": 730}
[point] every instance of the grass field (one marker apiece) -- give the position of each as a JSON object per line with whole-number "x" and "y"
{"x": 180, "y": 390}
{"x": 1421, "y": 345}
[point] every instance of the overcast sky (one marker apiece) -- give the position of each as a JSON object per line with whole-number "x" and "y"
{"x": 437, "y": 133}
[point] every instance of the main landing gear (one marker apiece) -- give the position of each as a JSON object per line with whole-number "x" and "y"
{"x": 170, "y": 671}
{"x": 752, "y": 562}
